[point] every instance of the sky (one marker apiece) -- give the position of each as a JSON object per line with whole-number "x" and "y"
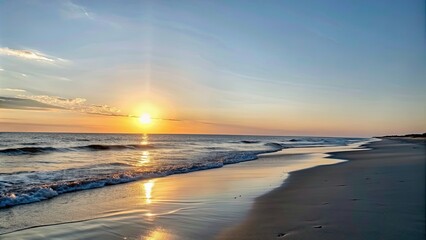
{"x": 318, "y": 68}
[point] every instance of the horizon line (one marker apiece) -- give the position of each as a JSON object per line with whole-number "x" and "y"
{"x": 212, "y": 134}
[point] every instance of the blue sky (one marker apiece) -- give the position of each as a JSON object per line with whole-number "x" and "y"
{"x": 264, "y": 67}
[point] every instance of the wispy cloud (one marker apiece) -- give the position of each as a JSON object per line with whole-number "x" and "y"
{"x": 12, "y": 90}
{"x": 23, "y": 104}
{"x": 73, "y": 10}
{"x": 166, "y": 119}
{"x": 75, "y": 104}
{"x": 44, "y": 102}
{"x": 32, "y": 75}
{"x": 30, "y": 55}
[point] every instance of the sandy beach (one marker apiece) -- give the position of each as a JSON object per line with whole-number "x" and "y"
{"x": 377, "y": 194}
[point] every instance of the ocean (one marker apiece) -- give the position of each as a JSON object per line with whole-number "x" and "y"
{"x": 39, "y": 166}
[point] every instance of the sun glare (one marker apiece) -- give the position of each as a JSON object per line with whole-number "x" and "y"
{"x": 145, "y": 118}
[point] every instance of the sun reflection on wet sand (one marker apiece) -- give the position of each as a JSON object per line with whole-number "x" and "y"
{"x": 148, "y": 190}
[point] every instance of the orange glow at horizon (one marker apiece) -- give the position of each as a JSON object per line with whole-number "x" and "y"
{"x": 68, "y": 121}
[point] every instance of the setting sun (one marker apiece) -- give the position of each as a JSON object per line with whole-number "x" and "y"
{"x": 145, "y": 118}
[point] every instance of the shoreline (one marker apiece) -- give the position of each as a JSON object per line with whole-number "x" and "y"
{"x": 206, "y": 201}
{"x": 375, "y": 194}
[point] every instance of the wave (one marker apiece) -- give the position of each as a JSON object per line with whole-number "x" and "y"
{"x": 274, "y": 145}
{"x": 95, "y": 147}
{"x": 99, "y": 147}
{"x": 30, "y": 144}
{"x": 249, "y": 141}
{"x": 27, "y": 150}
{"x": 92, "y": 147}
{"x": 35, "y": 193}
{"x": 246, "y": 141}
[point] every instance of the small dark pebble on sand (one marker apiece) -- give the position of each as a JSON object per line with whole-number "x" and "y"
{"x": 281, "y": 235}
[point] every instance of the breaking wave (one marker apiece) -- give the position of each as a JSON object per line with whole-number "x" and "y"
{"x": 92, "y": 147}
{"x": 11, "y": 195}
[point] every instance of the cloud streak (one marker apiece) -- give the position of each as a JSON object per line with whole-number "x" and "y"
{"x": 12, "y": 90}
{"x": 75, "y": 104}
{"x": 24, "y": 104}
{"x": 73, "y": 10}
{"x": 33, "y": 55}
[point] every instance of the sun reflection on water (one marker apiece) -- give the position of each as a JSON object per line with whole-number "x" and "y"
{"x": 144, "y": 158}
{"x": 145, "y": 139}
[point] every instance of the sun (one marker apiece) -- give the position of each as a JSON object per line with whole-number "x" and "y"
{"x": 145, "y": 118}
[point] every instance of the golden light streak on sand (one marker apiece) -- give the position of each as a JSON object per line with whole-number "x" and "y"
{"x": 148, "y": 191}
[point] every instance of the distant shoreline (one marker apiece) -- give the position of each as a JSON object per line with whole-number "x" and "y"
{"x": 413, "y": 135}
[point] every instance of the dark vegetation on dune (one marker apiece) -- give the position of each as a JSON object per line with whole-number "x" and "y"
{"x": 414, "y": 135}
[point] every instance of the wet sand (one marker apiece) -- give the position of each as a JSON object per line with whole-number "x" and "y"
{"x": 377, "y": 194}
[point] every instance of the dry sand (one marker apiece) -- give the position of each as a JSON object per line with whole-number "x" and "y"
{"x": 378, "y": 194}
